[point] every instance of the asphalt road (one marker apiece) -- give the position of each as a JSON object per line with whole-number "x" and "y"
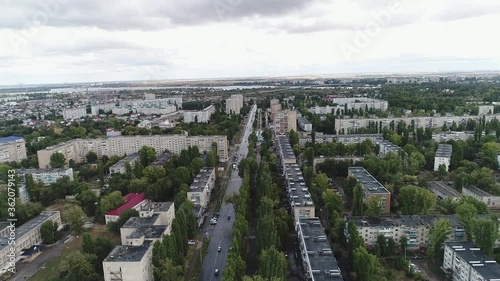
{"x": 221, "y": 234}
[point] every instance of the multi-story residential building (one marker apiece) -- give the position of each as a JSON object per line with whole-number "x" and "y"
{"x": 149, "y": 96}
{"x": 322, "y": 159}
{"x": 443, "y": 156}
{"x": 416, "y": 229}
{"x": 77, "y": 149}
{"x": 113, "y": 133}
{"x": 200, "y": 190}
{"x": 443, "y": 190}
{"x": 132, "y": 261}
{"x": 106, "y": 107}
{"x": 156, "y": 110}
{"x": 301, "y": 204}
{"x": 492, "y": 201}
{"x": 234, "y": 104}
{"x": 275, "y": 106}
{"x": 74, "y": 113}
{"x": 286, "y": 155}
{"x": 466, "y": 262}
{"x": 345, "y": 139}
{"x": 26, "y": 236}
{"x": 47, "y": 176}
{"x": 451, "y": 135}
{"x": 317, "y": 256}
{"x": 486, "y": 109}
{"x": 304, "y": 124}
{"x": 132, "y": 201}
{"x": 386, "y": 147}
{"x": 200, "y": 116}
{"x": 347, "y": 124}
{"x": 285, "y": 121}
{"x": 371, "y": 187}
{"x": 177, "y": 101}
{"x": 343, "y": 103}
{"x": 12, "y": 149}
{"x": 120, "y": 167}
{"x": 162, "y": 159}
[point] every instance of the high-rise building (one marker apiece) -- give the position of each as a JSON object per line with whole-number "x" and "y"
{"x": 285, "y": 121}
{"x": 74, "y": 113}
{"x": 12, "y": 149}
{"x": 234, "y": 104}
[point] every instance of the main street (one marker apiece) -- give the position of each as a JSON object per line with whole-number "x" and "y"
{"x": 221, "y": 235}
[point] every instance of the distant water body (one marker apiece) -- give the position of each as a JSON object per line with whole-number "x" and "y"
{"x": 99, "y": 89}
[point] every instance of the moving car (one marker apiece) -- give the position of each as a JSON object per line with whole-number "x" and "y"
{"x": 229, "y": 217}
{"x": 219, "y": 249}
{"x": 216, "y": 271}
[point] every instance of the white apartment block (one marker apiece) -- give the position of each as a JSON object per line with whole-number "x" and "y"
{"x": 12, "y": 149}
{"x": 492, "y": 201}
{"x": 234, "y": 104}
{"x": 106, "y": 107}
{"x": 452, "y": 135}
{"x": 202, "y": 116}
{"x": 77, "y": 149}
{"x": 74, "y": 113}
{"x": 47, "y": 176}
{"x": 129, "y": 263}
{"x": 420, "y": 122}
{"x": 416, "y": 229}
{"x": 154, "y": 103}
{"x": 351, "y": 103}
{"x": 200, "y": 191}
{"x": 120, "y": 167}
{"x": 386, "y": 146}
{"x": 345, "y": 139}
{"x": 466, "y": 262}
{"x": 156, "y": 110}
{"x": 149, "y": 96}
{"x": 486, "y": 109}
{"x": 304, "y": 124}
{"x": 26, "y": 236}
{"x": 285, "y": 121}
{"x": 443, "y": 156}
{"x": 299, "y": 198}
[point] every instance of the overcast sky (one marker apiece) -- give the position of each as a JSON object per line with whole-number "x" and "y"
{"x": 54, "y": 41}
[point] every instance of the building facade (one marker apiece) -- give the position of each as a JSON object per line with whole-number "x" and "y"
{"x": 200, "y": 190}
{"x": 120, "y": 167}
{"x": 344, "y": 103}
{"x": 492, "y": 201}
{"x": 345, "y": 139}
{"x": 200, "y": 116}
{"x": 386, "y": 146}
{"x": 371, "y": 187}
{"x": 486, "y": 109}
{"x": 304, "y": 124}
{"x": 234, "y": 104}
{"x": 443, "y": 190}
{"x": 106, "y": 107}
{"x": 466, "y": 262}
{"x": 443, "y": 156}
{"x": 12, "y": 149}
{"x": 77, "y": 149}
{"x": 74, "y": 113}
{"x": 47, "y": 176}
{"x": 285, "y": 121}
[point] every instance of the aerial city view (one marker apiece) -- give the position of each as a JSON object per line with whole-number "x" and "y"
{"x": 249, "y": 140}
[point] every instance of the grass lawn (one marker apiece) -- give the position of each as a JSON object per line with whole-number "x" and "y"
{"x": 51, "y": 269}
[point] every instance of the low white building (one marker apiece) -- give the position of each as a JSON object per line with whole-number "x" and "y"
{"x": 492, "y": 201}
{"x": 443, "y": 156}
{"x": 47, "y": 176}
{"x": 466, "y": 262}
{"x": 443, "y": 191}
{"x": 132, "y": 201}
{"x": 386, "y": 147}
{"x": 129, "y": 263}
{"x": 486, "y": 109}
{"x": 120, "y": 167}
{"x": 304, "y": 124}
{"x": 200, "y": 116}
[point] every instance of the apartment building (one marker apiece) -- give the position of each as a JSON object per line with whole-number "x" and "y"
{"x": 443, "y": 156}
{"x": 177, "y": 101}
{"x": 200, "y": 116}
{"x": 486, "y": 109}
{"x": 47, "y": 176}
{"x": 284, "y": 121}
{"x": 74, "y": 113}
{"x": 12, "y": 149}
{"x": 386, "y": 146}
{"x": 113, "y": 133}
{"x": 316, "y": 252}
{"x": 344, "y": 139}
{"x": 162, "y": 159}
{"x": 322, "y": 159}
{"x": 492, "y": 201}
{"x": 416, "y": 229}
{"x": 443, "y": 190}
{"x": 132, "y": 201}
{"x": 371, "y": 187}
{"x": 420, "y": 122}
{"x": 132, "y": 261}
{"x": 200, "y": 190}
{"x": 275, "y": 106}
{"x": 26, "y": 236}
{"x": 451, "y": 135}
{"x": 344, "y": 103}
{"x": 465, "y": 262}
{"x": 120, "y": 167}
{"x": 286, "y": 155}
{"x": 304, "y": 124}
{"x": 299, "y": 198}
{"x": 234, "y": 104}
{"x": 149, "y": 96}
{"x": 77, "y": 149}
{"x": 106, "y": 107}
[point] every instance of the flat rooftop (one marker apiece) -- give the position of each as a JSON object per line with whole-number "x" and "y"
{"x": 11, "y": 139}
{"x": 296, "y": 186}
{"x": 148, "y": 231}
{"x": 124, "y": 253}
{"x": 369, "y": 183}
{"x": 162, "y": 159}
{"x": 408, "y": 221}
{"x": 28, "y": 226}
{"x": 42, "y": 171}
{"x": 285, "y": 148}
{"x": 156, "y": 206}
{"x": 303, "y": 120}
{"x": 482, "y": 263}
{"x": 136, "y": 222}
{"x": 319, "y": 251}
{"x": 443, "y": 188}
{"x": 479, "y": 192}
{"x": 201, "y": 179}
{"x": 443, "y": 150}
{"x": 129, "y": 158}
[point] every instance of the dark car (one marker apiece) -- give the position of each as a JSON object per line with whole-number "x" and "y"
{"x": 219, "y": 249}
{"x": 228, "y": 217}
{"x": 216, "y": 271}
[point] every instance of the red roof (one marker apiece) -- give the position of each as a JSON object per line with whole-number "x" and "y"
{"x": 131, "y": 200}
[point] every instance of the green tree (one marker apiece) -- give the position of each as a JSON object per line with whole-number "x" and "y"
{"x": 75, "y": 217}
{"x": 167, "y": 271}
{"x": 366, "y": 265}
{"x": 309, "y": 156}
{"x": 440, "y": 232}
{"x": 442, "y": 171}
{"x": 272, "y": 264}
{"x": 57, "y": 160}
{"x": 294, "y": 138}
{"x": 466, "y": 213}
{"x": 91, "y": 157}
{"x": 48, "y": 231}
{"x": 88, "y": 245}
{"x": 109, "y": 202}
{"x": 78, "y": 267}
{"x": 122, "y": 219}
{"x": 333, "y": 202}
{"x": 485, "y": 233}
{"x": 153, "y": 173}
{"x": 375, "y": 207}
{"x": 357, "y": 200}
{"x": 415, "y": 200}
{"x": 88, "y": 200}
{"x": 147, "y": 155}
